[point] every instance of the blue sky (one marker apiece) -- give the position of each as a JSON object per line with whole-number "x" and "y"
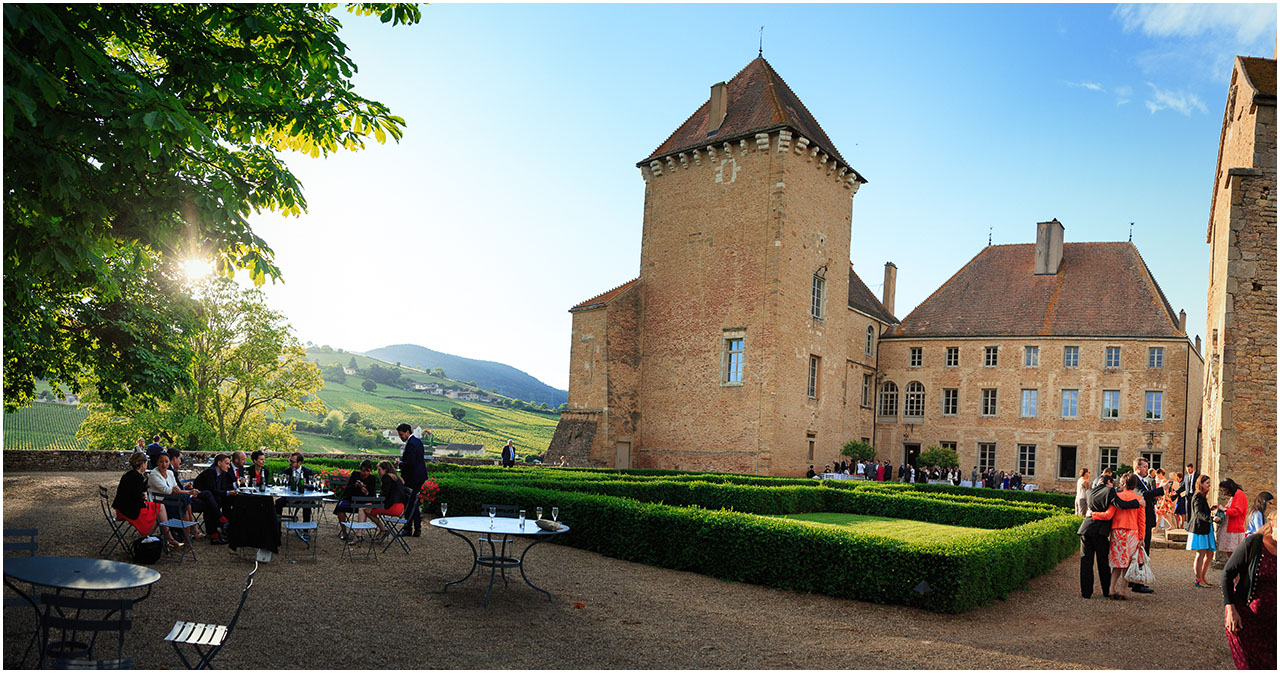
{"x": 514, "y": 193}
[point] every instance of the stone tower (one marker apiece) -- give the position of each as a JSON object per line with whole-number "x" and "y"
{"x": 734, "y": 349}
{"x": 1240, "y": 367}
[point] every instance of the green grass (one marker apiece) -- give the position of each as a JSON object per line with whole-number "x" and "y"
{"x": 312, "y": 443}
{"x": 902, "y": 529}
{"x": 45, "y": 425}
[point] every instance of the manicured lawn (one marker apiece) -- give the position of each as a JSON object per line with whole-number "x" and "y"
{"x": 903, "y": 529}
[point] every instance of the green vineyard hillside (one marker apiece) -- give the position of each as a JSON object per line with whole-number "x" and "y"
{"x": 44, "y": 425}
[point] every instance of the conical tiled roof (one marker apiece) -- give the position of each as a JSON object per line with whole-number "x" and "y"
{"x": 758, "y": 100}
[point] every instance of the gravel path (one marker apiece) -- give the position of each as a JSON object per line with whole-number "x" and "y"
{"x": 338, "y": 614}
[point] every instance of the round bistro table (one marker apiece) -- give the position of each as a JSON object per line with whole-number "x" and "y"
{"x": 64, "y": 573}
{"x": 491, "y": 528}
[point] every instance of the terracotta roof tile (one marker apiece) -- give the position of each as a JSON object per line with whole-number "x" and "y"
{"x": 758, "y": 100}
{"x": 1262, "y": 73}
{"x": 605, "y": 298}
{"x": 862, "y": 299}
{"x": 1102, "y": 289}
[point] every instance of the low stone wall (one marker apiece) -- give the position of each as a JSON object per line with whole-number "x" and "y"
{"x": 117, "y": 461}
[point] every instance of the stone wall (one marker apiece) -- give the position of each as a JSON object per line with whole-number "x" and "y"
{"x": 115, "y": 461}
{"x": 1240, "y": 376}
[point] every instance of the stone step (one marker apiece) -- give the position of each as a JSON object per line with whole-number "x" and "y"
{"x": 1176, "y": 535}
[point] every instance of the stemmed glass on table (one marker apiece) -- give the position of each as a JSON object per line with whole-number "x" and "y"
{"x": 444, "y": 511}
{"x": 539, "y": 510}
{"x": 493, "y": 511}
{"x": 555, "y": 513}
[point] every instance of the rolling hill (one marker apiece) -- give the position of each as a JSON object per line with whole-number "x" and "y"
{"x": 505, "y": 379}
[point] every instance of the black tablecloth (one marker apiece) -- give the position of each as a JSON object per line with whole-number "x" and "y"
{"x": 253, "y": 523}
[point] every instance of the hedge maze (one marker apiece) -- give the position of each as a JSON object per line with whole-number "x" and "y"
{"x": 710, "y": 524}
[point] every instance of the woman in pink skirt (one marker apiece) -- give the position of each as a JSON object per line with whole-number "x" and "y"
{"x": 1128, "y": 527}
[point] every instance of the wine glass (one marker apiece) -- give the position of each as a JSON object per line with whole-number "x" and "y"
{"x": 521, "y": 519}
{"x": 493, "y": 511}
{"x": 539, "y": 510}
{"x": 444, "y": 511}
{"x": 555, "y": 513}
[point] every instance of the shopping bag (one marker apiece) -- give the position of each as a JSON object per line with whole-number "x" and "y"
{"x": 1139, "y": 573}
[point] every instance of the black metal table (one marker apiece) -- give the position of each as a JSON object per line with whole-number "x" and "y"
{"x": 63, "y": 573}
{"x": 493, "y": 529}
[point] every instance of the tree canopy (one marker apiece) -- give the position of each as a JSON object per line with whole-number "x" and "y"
{"x": 138, "y": 136}
{"x": 858, "y": 450}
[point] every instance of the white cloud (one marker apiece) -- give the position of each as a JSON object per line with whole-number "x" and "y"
{"x": 1246, "y": 22}
{"x": 1180, "y": 101}
{"x": 1123, "y": 93}
{"x": 1092, "y": 86}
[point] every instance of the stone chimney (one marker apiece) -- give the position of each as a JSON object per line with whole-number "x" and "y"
{"x": 1198, "y": 344}
{"x": 890, "y": 285}
{"x": 1182, "y": 321}
{"x": 719, "y": 106}
{"x": 1048, "y": 247}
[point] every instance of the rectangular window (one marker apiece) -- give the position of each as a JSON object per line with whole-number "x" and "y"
{"x": 1070, "y": 403}
{"x": 1113, "y": 358}
{"x": 1111, "y": 404}
{"x": 1155, "y": 357}
{"x": 732, "y": 360}
{"x": 1154, "y": 458}
{"x": 871, "y": 339}
{"x": 953, "y": 356}
{"x": 986, "y": 456}
{"x": 1031, "y": 356}
{"x": 950, "y": 401}
{"x": 991, "y": 356}
{"x": 1027, "y": 460}
{"x": 817, "y": 300}
{"x": 1155, "y": 405}
{"x": 988, "y": 401}
{"x": 913, "y": 405}
{"x": 1108, "y": 456}
{"x": 866, "y": 390}
{"x": 888, "y": 399}
{"x": 1067, "y": 462}
{"x": 815, "y": 365}
{"x": 1070, "y": 356}
{"x": 917, "y": 357}
{"x": 812, "y": 438}
{"x": 950, "y": 446}
{"x": 1029, "y": 403}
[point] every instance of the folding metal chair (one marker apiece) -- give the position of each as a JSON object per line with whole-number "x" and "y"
{"x": 119, "y": 527}
{"x": 297, "y": 527}
{"x": 397, "y": 526}
{"x": 362, "y": 528}
{"x": 30, "y": 546}
{"x": 78, "y": 622}
{"x": 336, "y": 484}
{"x": 210, "y": 636}
{"x": 171, "y": 505}
{"x": 91, "y": 665}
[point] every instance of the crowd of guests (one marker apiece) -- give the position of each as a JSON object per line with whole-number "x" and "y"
{"x": 1120, "y": 513}
{"x": 151, "y": 492}
{"x": 884, "y": 471}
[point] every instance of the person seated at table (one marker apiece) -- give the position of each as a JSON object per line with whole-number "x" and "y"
{"x": 258, "y": 473}
{"x": 392, "y": 499}
{"x": 361, "y": 485}
{"x": 810, "y": 474}
{"x": 215, "y": 486}
{"x": 163, "y": 481}
{"x": 295, "y": 473}
{"x": 131, "y": 505}
{"x": 238, "y": 469}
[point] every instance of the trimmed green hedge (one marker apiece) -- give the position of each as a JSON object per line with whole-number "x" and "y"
{"x": 961, "y": 573}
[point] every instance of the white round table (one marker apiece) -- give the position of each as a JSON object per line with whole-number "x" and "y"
{"x": 493, "y": 527}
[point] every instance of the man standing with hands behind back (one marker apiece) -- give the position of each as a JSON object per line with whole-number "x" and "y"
{"x": 1147, "y": 489}
{"x": 413, "y": 470}
{"x": 509, "y": 454}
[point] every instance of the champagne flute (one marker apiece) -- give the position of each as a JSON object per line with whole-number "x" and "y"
{"x": 521, "y": 519}
{"x": 555, "y": 514}
{"x": 444, "y": 511}
{"x": 539, "y": 510}
{"x": 493, "y": 511}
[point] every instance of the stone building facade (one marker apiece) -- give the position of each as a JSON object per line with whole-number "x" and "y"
{"x": 749, "y": 344}
{"x": 1043, "y": 359}
{"x": 1240, "y": 327}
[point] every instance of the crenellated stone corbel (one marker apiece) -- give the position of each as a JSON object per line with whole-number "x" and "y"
{"x": 813, "y": 154}
{"x": 711, "y": 154}
{"x": 854, "y": 184}
{"x": 728, "y": 151}
{"x": 697, "y": 158}
{"x": 801, "y": 144}
{"x": 762, "y": 142}
{"x": 684, "y": 163}
{"x": 655, "y": 167}
{"x": 822, "y": 161}
{"x": 784, "y": 140}
{"x": 671, "y": 164}
{"x": 840, "y": 175}
{"x": 742, "y": 147}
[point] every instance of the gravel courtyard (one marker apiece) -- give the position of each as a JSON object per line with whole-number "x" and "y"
{"x": 336, "y": 614}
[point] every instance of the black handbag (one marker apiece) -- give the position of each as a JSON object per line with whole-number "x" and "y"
{"x": 147, "y": 553}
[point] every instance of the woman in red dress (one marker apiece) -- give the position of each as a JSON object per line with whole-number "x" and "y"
{"x": 130, "y": 501}
{"x": 1237, "y": 507}
{"x": 1127, "y": 526}
{"x": 1249, "y": 591}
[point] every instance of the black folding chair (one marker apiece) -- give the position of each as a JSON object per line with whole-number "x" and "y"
{"x": 78, "y": 622}
{"x": 173, "y": 507}
{"x": 207, "y": 639}
{"x": 297, "y": 527}
{"x": 362, "y": 527}
{"x": 398, "y": 526}
{"x": 119, "y": 527}
{"x": 30, "y": 546}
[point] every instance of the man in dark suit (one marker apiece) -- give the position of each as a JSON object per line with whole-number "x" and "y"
{"x": 215, "y": 485}
{"x": 1147, "y": 489}
{"x": 237, "y": 465}
{"x": 413, "y": 470}
{"x": 295, "y": 472}
{"x": 1095, "y": 532}
{"x": 1188, "y": 487}
{"x": 509, "y": 454}
{"x": 153, "y": 451}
